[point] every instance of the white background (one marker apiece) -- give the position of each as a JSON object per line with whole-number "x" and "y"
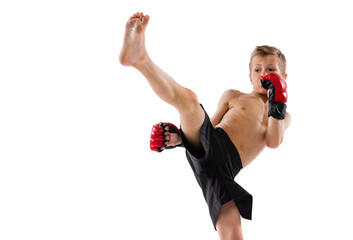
{"x": 75, "y": 124}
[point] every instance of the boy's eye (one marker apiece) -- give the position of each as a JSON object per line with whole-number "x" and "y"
{"x": 257, "y": 70}
{"x": 271, "y": 69}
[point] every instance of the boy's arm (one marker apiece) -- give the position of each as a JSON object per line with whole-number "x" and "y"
{"x": 275, "y": 130}
{"x": 223, "y": 105}
{"x": 165, "y": 135}
{"x": 278, "y": 119}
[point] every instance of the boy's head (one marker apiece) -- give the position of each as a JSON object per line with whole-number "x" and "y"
{"x": 263, "y": 51}
{"x": 265, "y": 60}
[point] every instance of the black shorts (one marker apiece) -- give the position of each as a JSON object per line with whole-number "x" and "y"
{"x": 215, "y": 169}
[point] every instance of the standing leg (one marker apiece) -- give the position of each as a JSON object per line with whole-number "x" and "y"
{"x": 228, "y": 224}
{"x": 134, "y": 54}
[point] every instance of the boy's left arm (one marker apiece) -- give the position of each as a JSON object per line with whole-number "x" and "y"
{"x": 275, "y": 130}
{"x": 278, "y": 119}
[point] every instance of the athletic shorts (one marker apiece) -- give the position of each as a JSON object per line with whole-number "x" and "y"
{"x": 215, "y": 168}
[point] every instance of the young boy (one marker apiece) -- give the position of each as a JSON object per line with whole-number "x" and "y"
{"x": 218, "y": 148}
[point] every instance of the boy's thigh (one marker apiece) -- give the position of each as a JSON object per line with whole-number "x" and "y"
{"x": 228, "y": 224}
{"x": 192, "y": 117}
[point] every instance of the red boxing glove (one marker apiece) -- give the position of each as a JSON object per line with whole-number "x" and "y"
{"x": 277, "y": 95}
{"x": 275, "y": 82}
{"x": 157, "y": 141}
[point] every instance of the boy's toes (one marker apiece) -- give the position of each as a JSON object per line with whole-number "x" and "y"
{"x": 145, "y": 20}
{"x": 139, "y": 15}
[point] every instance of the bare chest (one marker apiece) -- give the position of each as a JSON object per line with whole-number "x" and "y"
{"x": 248, "y": 111}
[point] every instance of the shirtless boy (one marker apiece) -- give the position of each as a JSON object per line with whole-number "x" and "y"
{"x": 218, "y": 148}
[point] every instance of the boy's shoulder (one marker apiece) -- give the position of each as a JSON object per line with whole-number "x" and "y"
{"x": 232, "y": 93}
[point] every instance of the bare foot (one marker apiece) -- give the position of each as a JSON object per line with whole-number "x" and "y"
{"x": 134, "y": 50}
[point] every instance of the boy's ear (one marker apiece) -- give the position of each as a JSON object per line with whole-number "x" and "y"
{"x": 250, "y": 78}
{"x": 284, "y": 75}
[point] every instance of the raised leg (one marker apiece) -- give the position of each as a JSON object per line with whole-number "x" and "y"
{"x": 228, "y": 224}
{"x": 134, "y": 54}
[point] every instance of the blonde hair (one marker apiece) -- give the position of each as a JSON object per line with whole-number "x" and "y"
{"x": 264, "y": 51}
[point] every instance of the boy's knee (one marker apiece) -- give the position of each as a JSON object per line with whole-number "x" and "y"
{"x": 229, "y": 233}
{"x": 187, "y": 101}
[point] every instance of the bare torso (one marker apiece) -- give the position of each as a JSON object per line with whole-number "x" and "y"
{"x": 246, "y": 123}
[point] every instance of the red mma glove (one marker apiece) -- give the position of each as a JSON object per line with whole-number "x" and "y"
{"x": 157, "y": 141}
{"x": 277, "y": 95}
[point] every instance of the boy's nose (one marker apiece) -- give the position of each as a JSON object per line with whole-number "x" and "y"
{"x": 263, "y": 73}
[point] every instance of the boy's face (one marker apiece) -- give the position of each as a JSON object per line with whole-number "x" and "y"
{"x": 261, "y": 66}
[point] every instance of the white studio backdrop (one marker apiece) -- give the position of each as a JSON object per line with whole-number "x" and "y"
{"x": 75, "y": 124}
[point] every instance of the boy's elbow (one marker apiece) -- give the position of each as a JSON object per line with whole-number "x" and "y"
{"x": 273, "y": 143}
